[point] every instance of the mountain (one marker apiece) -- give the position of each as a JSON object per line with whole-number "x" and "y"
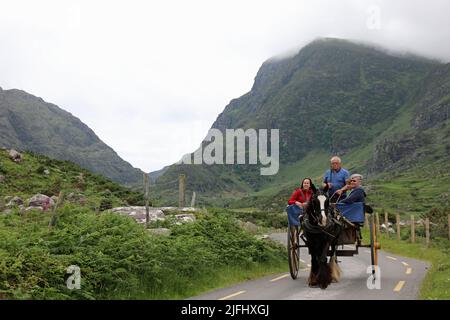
{"x": 383, "y": 113}
{"x": 29, "y": 123}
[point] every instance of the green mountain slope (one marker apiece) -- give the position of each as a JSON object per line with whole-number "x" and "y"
{"x": 29, "y": 123}
{"x": 40, "y": 174}
{"x": 382, "y": 113}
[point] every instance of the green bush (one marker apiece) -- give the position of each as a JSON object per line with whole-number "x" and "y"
{"x": 118, "y": 257}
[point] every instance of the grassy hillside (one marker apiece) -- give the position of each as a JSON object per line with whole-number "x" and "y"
{"x": 29, "y": 177}
{"x": 118, "y": 258}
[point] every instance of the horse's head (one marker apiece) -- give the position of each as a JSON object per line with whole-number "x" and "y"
{"x": 318, "y": 207}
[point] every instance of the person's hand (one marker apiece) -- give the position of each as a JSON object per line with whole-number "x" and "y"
{"x": 330, "y": 185}
{"x": 298, "y": 204}
{"x": 339, "y": 192}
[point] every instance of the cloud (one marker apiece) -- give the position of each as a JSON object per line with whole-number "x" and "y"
{"x": 150, "y": 77}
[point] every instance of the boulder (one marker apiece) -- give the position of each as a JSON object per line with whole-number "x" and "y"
{"x": 15, "y": 156}
{"x": 40, "y": 200}
{"x": 183, "y": 218}
{"x": 34, "y": 208}
{"x": 16, "y": 201}
{"x": 139, "y": 214}
{"x": 248, "y": 226}
{"x": 190, "y": 209}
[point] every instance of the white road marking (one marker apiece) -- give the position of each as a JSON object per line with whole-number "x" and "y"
{"x": 280, "y": 277}
{"x": 399, "y": 286}
{"x": 302, "y": 260}
{"x": 309, "y": 266}
{"x": 408, "y": 271}
{"x": 405, "y": 264}
{"x": 232, "y": 295}
{"x": 392, "y": 258}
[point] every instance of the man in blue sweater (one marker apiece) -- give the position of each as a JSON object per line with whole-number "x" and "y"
{"x": 335, "y": 179}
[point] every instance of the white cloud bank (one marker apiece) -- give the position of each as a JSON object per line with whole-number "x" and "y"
{"x": 150, "y": 77}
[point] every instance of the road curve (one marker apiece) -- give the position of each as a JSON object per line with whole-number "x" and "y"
{"x": 400, "y": 280}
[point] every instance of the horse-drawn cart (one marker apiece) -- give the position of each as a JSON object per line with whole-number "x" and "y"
{"x": 347, "y": 222}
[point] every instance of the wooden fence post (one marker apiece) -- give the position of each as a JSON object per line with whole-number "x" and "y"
{"x": 52, "y": 222}
{"x": 398, "y": 226}
{"x": 181, "y": 190}
{"x": 193, "y": 200}
{"x": 146, "y": 197}
{"x": 427, "y": 231}
{"x": 413, "y": 229}
{"x": 378, "y": 222}
{"x": 386, "y": 223}
{"x": 449, "y": 226}
{"x": 366, "y": 221}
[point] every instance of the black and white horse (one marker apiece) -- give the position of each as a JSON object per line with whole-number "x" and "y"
{"x": 321, "y": 232}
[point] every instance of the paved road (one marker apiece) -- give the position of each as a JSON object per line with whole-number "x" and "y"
{"x": 400, "y": 280}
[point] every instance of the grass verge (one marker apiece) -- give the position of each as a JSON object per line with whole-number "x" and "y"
{"x": 436, "y": 285}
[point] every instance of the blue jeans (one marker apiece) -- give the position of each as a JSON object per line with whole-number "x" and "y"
{"x": 294, "y": 212}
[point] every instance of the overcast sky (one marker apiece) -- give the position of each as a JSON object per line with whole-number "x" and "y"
{"x": 150, "y": 77}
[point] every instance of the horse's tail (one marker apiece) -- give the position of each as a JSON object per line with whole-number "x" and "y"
{"x": 335, "y": 269}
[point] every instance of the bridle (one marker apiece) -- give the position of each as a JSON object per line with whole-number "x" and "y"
{"x": 316, "y": 228}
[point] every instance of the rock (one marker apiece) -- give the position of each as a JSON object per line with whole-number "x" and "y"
{"x": 2, "y": 178}
{"x": 160, "y": 231}
{"x": 15, "y": 156}
{"x": 16, "y": 201}
{"x": 190, "y": 209}
{"x": 248, "y": 226}
{"x": 138, "y": 213}
{"x": 174, "y": 210}
{"x": 40, "y": 200}
{"x": 185, "y": 218}
{"x": 46, "y": 171}
{"x": 34, "y": 208}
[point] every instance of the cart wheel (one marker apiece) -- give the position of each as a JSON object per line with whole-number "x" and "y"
{"x": 374, "y": 246}
{"x": 293, "y": 241}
